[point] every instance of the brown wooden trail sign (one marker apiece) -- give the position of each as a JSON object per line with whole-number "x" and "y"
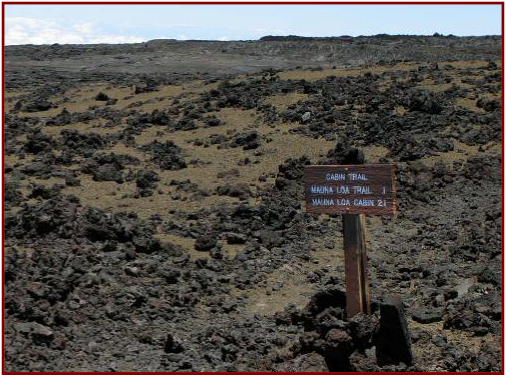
{"x": 352, "y": 190}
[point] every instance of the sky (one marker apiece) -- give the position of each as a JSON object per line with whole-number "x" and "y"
{"x": 83, "y": 24}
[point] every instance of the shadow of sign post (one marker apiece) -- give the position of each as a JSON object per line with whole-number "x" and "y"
{"x": 353, "y": 191}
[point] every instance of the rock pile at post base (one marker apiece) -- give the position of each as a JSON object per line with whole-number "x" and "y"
{"x": 331, "y": 342}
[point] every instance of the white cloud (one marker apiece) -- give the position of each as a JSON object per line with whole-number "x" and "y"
{"x": 23, "y": 30}
{"x": 85, "y": 28}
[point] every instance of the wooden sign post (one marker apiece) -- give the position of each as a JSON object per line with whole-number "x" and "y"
{"x": 352, "y": 190}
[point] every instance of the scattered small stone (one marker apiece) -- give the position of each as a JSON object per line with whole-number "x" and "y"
{"x": 425, "y": 316}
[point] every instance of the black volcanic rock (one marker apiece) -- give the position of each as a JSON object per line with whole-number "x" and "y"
{"x": 102, "y": 97}
{"x": 248, "y": 140}
{"x": 427, "y": 316}
{"x": 166, "y": 155}
{"x": 205, "y": 242}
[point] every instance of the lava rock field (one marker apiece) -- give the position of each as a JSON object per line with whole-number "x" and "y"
{"x": 154, "y": 215}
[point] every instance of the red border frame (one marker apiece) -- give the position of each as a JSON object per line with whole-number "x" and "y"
{"x": 255, "y": 3}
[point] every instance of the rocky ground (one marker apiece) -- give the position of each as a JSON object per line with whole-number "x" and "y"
{"x": 154, "y": 215}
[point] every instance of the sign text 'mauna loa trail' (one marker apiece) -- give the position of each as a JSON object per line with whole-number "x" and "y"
{"x": 350, "y": 189}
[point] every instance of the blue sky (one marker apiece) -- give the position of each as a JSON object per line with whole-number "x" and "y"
{"x": 47, "y": 24}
